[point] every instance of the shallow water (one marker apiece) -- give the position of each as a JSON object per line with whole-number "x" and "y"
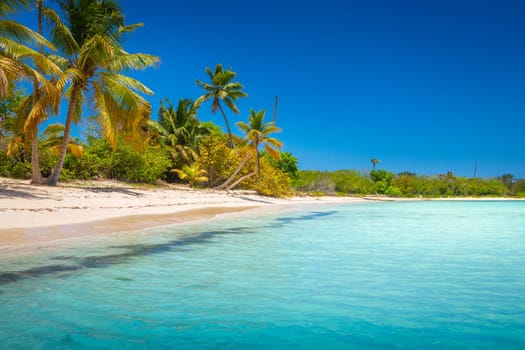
{"x": 433, "y": 275}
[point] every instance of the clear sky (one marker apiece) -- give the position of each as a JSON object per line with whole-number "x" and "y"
{"x": 426, "y": 86}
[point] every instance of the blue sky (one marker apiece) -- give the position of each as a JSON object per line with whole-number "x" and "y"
{"x": 426, "y": 86}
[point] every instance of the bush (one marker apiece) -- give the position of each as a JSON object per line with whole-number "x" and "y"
{"x": 123, "y": 163}
{"x": 314, "y": 181}
{"x": 272, "y": 182}
{"x": 130, "y": 165}
{"x": 219, "y": 160}
{"x": 5, "y": 164}
{"x": 21, "y": 170}
{"x": 351, "y": 182}
{"x": 287, "y": 163}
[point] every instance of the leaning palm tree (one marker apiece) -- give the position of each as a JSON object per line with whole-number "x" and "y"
{"x": 221, "y": 88}
{"x": 90, "y": 38}
{"x": 257, "y": 133}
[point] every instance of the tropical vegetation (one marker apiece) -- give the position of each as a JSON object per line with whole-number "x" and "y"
{"x": 78, "y": 58}
{"x": 405, "y": 184}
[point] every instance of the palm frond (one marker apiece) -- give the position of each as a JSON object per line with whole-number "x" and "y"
{"x": 52, "y": 138}
{"x": 60, "y": 33}
{"x": 137, "y": 61}
{"x": 231, "y": 105}
{"x": 120, "y": 79}
{"x": 23, "y": 34}
{"x": 75, "y": 149}
{"x": 11, "y": 6}
{"x": 272, "y": 152}
{"x": 109, "y": 130}
{"x": 96, "y": 50}
{"x": 127, "y": 29}
{"x": 10, "y": 70}
{"x": 122, "y": 109}
{"x": 15, "y": 50}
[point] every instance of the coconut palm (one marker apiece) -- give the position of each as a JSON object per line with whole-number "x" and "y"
{"x": 18, "y": 60}
{"x": 51, "y": 138}
{"x": 256, "y": 134}
{"x": 375, "y": 162}
{"x": 221, "y": 88}
{"x": 180, "y": 129}
{"x": 51, "y": 104}
{"x": 90, "y": 38}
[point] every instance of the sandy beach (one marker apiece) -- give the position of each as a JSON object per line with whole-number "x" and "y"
{"x": 30, "y": 214}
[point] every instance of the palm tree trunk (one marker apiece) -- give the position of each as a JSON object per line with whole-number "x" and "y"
{"x": 232, "y": 144}
{"x": 239, "y": 168}
{"x": 257, "y": 162}
{"x": 232, "y": 186}
{"x": 55, "y": 174}
{"x": 36, "y": 173}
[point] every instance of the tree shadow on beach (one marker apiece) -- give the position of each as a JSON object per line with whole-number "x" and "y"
{"x": 19, "y": 192}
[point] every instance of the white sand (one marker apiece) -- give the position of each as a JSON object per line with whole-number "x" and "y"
{"x": 31, "y": 213}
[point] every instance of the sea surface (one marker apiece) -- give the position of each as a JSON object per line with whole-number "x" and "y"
{"x": 402, "y": 275}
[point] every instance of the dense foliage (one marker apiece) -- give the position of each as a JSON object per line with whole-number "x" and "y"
{"x": 383, "y": 182}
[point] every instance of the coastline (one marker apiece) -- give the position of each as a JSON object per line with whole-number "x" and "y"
{"x": 33, "y": 214}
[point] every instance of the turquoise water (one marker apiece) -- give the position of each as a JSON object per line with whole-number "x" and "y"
{"x": 431, "y": 275}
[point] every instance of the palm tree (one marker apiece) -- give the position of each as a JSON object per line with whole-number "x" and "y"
{"x": 257, "y": 133}
{"x": 375, "y": 162}
{"x": 15, "y": 50}
{"x": 180, "y": 129}
{"x": 51, "y": 138}
{"x": 192, "y": 174}
{"x": 90, "y": 38}
{"x": 221, "y": 88}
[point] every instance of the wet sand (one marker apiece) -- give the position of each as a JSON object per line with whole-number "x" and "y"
{"x": 18, "y": 236}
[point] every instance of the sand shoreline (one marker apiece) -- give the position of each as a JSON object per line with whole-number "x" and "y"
{"x": 31, "y": 214}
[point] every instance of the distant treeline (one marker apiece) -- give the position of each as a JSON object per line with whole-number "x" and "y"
{"x": 405, "y": 184}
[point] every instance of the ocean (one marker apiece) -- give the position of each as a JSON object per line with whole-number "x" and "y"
{"x": 374, "y": 275}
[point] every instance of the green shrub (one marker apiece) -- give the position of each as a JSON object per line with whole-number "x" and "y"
{"x": 287, "y": 163}
{"x": 314, "y": 181}
{"x": 123, "y": 163}
{"x": 21, "y": 170}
